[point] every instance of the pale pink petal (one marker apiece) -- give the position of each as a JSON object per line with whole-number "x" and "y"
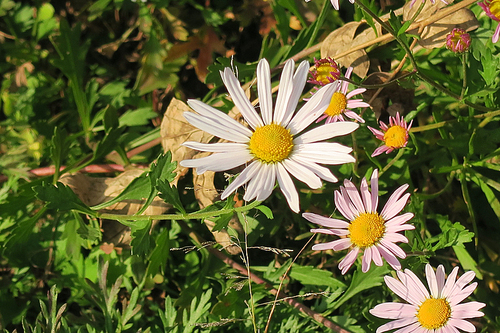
{"x": 398, "y": 220}
{"x": 349, "y": 259}
{"x": 400, "y": 228}
{"x": 440, "y": 278}
{"x": 396, "y": 324}
{"x": 464, "y": 325}
{"x": 393, "y": 248}
{"x": 412, "y": 328}
{"x": 393, "y": 310}
{"x": 356, "y": 92}
{"x": 325, "y": 221}
{"x": 336, "y": 232}
{"x": 470, "y": 306}
{"x": 366, "y": 195}
{"x": 496, "y": 35}
{"x": 402, "y": 291}
{"x": 459, "y": 295}
{"x": 343, "y": 206}
{"x": 414, "y": 283}
{"x": 336, "y": 245}
{"x": 395, "y": 238}
{"x": 377, "y": 258}
{"x": 374, "y": 188}
{"x": 353, "y": 194}
{"x": 367, "y": 258}
{"x": 353, "y": 115}
{"x": 450, "y": 283}
{"x": 389, "y": 257}
{"x": 431, "y": 281}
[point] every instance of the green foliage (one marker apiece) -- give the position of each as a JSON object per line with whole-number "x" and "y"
{"x": 84, "y": 88}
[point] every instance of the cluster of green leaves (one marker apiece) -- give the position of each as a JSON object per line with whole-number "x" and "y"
{"x": 85, "y": 84}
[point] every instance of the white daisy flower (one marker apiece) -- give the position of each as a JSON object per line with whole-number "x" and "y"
{"x": 273, "y": 143}
{"x": 436, "y": 312}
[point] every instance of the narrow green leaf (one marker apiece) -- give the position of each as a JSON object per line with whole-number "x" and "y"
{"x": 266, "y": 210}
{"x": 160, "y": 254}
{"x": 222, "y": 222}
{"x": 308, "y": 275}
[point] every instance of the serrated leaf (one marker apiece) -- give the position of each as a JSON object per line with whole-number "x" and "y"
{"x": 222, "y": 222}
{"x": 160, "y": 254}
{"x": 170, "y": 195}
{"x": 61, "y": 197}
{"x": 141, "y": 239}
{"x": 453, "y": 234}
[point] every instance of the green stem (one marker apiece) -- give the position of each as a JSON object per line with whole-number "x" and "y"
{"x": 464, "y": 71}
{"x": 172, "y": 217}
{"x": 394, "y": 160}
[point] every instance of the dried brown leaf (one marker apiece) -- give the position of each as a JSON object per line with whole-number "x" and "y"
{"x": 344, "y": 39}
{"x": 175, "y": 130}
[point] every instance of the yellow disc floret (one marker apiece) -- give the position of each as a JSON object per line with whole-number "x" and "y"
{"x": 324, "y": 73}
{"x": 434, "y": 313}
{"x": 271, "y": 143}
{"x": 337, "y": 105}
{"x": 495, "y": 8}
{"x": 366, "y": 229}
{"x": 396, "y": 137}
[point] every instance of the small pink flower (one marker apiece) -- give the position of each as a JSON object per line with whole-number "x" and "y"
{"x": 458, "y": 40}
{"x": 374, "y": 233}
{"x": 325, "y": 71}
{"x": 492, "y": 9}
{"x": 394, "y": 136}
{"x": 341, "y": 103}
{"x": 438, "y": 311}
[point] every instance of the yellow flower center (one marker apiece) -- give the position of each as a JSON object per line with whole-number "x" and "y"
{"x": 366, "y": 229}
{"x": 495, "y": 8}
{"x": 396, "y": 137}
{"x": 337, "y": 105}
{"x": 434, "y": 313}
{"x": 324, "y": 71}
{"x": 271, "y": 143}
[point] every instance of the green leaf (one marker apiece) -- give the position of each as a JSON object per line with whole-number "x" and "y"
{"x": 308, "y": 275}
{"x": 222, "y": 221}
{"x": 61, "y": 197}
{"x": 59, "y": 149}
{"x": 160, "y": 254}
{"x": 362, "y": 281}
{"x": 466, "y": 261}
{"x": 453, "y": 234}
{"x": 197, "y": 311}
{"x": 141, "y": 239}
{"x": 266, "y": 210}
{"x": 170, "y": 195}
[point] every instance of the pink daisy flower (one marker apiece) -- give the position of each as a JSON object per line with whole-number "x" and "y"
{"x": 325, "y": 71}
{"x": 492, "y": 9}
{"x": 374, "y": 233}
{"x": 341, "y": 102}
{"x": 395, "y": 135}
{"x": 458, "y": 40}
{"x": 436, "y": 312}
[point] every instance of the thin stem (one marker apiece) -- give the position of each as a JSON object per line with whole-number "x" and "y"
{"x": 190, "y": 216}
{"x": 464, "y": 74}
{"x": 394, "y": 160}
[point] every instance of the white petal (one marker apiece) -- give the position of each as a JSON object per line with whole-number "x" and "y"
{"x": 320, "y": 171}
{"x": 325, "y": 221}
{"x": 261, "y": 186}
{"x": 244, "y": 177}
{"x": 431, "y": 281}
{"x": 220, "y": 147}
{"x": 374, "y": 188}
{"x": 311, "y": 111}
{"x": 284, "y": 92}
{"x": 215, "y": 128}
{"x": 264, "y": 91}
{"x": 318, "y": 153}
{"x": 299, "y": 81}
{"x": 302, "y": 173}
{"x": 218, "y": 162}
{"x": 240, "y": 100}
{"x": 327, "y": 131}
{"x": 222, "y": 119}
{"x": 288, "y": 188}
